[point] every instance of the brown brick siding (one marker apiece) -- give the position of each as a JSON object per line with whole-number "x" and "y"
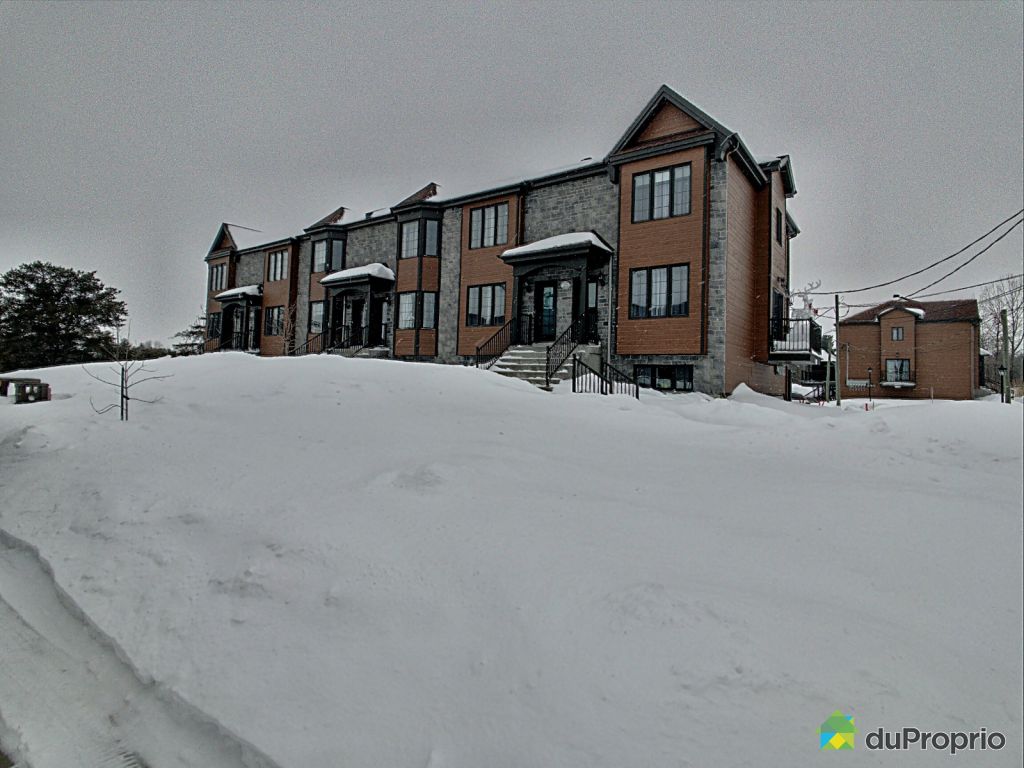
{"x": 677, "y": 240}
{"x": 279, "y": 293}
{"x": 480, "y": 266}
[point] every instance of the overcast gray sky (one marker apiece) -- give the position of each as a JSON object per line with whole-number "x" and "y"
{"x": 128, "y": 132}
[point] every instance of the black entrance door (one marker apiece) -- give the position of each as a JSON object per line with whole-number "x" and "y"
{"x": 356, "y": 308}
{"x": 546, "y": 310}
{"x": 337, "y": 321}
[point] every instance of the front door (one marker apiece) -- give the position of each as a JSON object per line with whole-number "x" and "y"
{"x": 337, "y": 321}
{"x": 356, "y": 309}
{"x": 546, "y": 310}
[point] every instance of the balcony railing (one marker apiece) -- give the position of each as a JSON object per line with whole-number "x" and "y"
{"x": 794, "y": 338}
{"x": 897, "y": 378}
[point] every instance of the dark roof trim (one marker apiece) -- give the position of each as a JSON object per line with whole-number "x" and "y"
{"x": 660, "y": 149}
{"x": 784, "y": 165}
{"x": 791, "y": 227}
{"x": 265, "y": 246}
{"x": 664, "y": 93}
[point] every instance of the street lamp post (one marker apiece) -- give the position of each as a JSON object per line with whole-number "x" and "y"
{"x": 870, "y": 402}
{"x": 1002, "y": 384}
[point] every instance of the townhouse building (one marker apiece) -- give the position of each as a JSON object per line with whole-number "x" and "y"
{"x": 668, "y": 259}
{"x": 912, "y": 349}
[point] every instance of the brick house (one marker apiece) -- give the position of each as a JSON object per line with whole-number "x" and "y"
{"x": 669, "y": 258}
{"x": 912, "y": 349}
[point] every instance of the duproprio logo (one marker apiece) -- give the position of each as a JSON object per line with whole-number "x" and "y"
{"x": 837, "y": 732}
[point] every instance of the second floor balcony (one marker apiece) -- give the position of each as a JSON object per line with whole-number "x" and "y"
{"x": 796, "y": 340}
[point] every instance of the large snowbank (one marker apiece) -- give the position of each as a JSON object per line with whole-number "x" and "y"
{"x": 367, "y": 563}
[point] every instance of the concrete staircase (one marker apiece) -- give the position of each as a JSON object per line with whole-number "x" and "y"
{"x": 527, "y": 361}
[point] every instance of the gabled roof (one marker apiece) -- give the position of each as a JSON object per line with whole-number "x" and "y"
{"x": 782, "y": 164}
{"x": 334, "y": 217}
{"x": 963, "y": 310}
{"x": 558, "y": 243}
{"x": 713, "y": 131}
{"x": 243, "y": 238}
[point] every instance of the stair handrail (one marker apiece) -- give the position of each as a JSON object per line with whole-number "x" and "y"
{"x": 495, "y": 345}
{"x": 560, "y": 349}
{"x": 607, "y": 381}
{"x": 313, "y": 346}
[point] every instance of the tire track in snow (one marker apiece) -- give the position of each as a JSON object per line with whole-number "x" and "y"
{"x": 70, "y": 697}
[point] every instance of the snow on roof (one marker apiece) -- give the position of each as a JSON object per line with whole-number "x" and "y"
{"x": 245, "y": 290}
{"x": 370, "y": 270}
{"x": 247, "y": 237}
{"x": 454, "y": 192}
{"x": 559, "y": 241}
{"x": 985, "y": 353}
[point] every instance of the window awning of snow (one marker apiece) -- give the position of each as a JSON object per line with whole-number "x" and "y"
{"x": 357, "y": 274}
{"x": 984, "y": 352}
{"x": 912, "y": 310}
{"x": 240, "y": 293}
{"x": 571, "y": 243}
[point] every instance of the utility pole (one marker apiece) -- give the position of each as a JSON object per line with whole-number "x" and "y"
{"x": 839, "y": 384}
{"x": 828, "y": 369}
{"x": 1007, "y": 394}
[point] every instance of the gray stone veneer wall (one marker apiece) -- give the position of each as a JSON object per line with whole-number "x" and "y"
{"x": 374, "y": 243}
{"x": 305, "y": 257}
{"x": 580, "y": 205}
{"x": 713, "y": 371}
{"x": 448, "y": 301}
{"x": 249, "y": 270}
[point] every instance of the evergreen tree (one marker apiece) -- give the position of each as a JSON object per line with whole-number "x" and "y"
{"x": 53, "y": 315}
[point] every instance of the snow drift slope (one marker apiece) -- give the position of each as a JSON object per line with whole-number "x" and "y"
{"x": 367, "y": 563}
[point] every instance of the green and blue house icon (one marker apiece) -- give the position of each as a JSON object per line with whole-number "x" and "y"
{"x": 837, "y": 732}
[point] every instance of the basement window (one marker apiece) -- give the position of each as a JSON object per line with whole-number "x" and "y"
{"x": 667, "y": 378}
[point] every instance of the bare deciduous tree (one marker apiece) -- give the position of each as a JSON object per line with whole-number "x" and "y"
{"x": 127, "y": 369}
{"x": 1007, "y": 294}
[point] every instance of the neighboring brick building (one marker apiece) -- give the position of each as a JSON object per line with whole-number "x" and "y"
{"x": 671, "y": 254}
{"x": 912, "y": 349}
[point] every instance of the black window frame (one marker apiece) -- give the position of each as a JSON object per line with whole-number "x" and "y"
{"x": 676, "y": 372}
{"x": 309, "y": 323}
{"x": 778, "y": 226}
{"x": 400, "y": 319}
{"x": 273, "y": 321}
{"x": 213, "y": 325}
{"x": 893, "y": 333}
{"x": 904, "y": 367}
{"x": 648, "y": 288}
{"x": 327, "y": 257}
{"x": 433, "y": 312}
{"x": 649, "y": 175}
{"x": 495, "y": 320}
{"x": 218, "y": 277}
{"x": 403, "y": 239}
{"x": 481, "y": 213}
{"x": 277, "y": 264}
{"x": 429, "y": 240}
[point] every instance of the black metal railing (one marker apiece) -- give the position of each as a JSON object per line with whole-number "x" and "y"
{"x": 897, "y": 376}
{"x": 560, "y": 349}
{"x": 313, "y": 346}
{"x": 607, "y": 381}
{"x": 494, "y": 346}
{"x": 793, "y": 336}
{"x": 366, "y": 342}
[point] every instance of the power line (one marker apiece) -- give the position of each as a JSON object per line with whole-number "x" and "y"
{"x": 924, "y": 269}
{"x": 966, "y": 287}
{"x": 979, "y": 253}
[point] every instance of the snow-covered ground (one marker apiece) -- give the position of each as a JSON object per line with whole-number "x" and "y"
{"x": 367, "y": 563}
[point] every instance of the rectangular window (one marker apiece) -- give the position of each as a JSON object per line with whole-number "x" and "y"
{"x": 659, "y": 292}
{"x": 662, "y": 193}
{"x": 488, "y": 226}
{"x": 485, "y": 305}
{"x": 273, "y": 321}
{"x": 897, "y": 370}
{"x": 410, "y": 239}
{"x": 213, "y": 325}
{"x": 406, "y": 311}
{"x": 897, "y": 333}
{"x": 337, "y": 258}
{"x": 320, "y": 256}
{"x": 277, "y": 266}
{"x": 667, "y": 378}
{"x": 432, "y": 246}
{"x": 316, "y": 317}
{"x": 778, "y": 226}
{"x": 429, "y": 311}
{"x": 476, "y": 227}
{"x": 218, "y": 277}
